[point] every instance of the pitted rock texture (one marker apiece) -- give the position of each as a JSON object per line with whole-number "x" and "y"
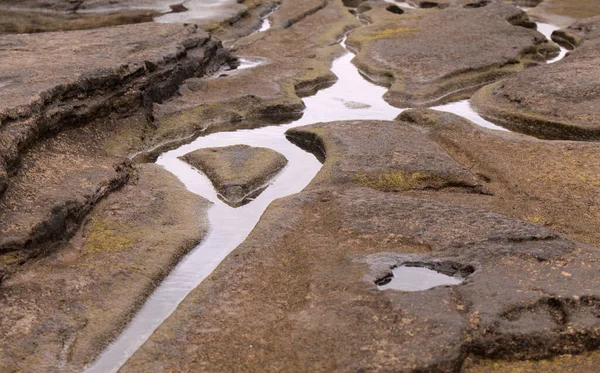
{"x": 62, "y": 309}
{"x": 237, "y": 172}
{"x": 429, "y": 57}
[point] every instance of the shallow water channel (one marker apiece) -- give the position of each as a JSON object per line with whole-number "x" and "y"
{"x": 351, "y": 98}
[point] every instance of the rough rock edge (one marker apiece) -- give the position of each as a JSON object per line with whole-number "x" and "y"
{"x": 454, "y": 87}
{"x": 528, "y": 123}
{"x": 64, "y": 219}
{"x": 133, "y": 86}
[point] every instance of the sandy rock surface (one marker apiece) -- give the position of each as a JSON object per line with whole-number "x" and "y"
{"x": 563, "y": 13}
{"x": 89, "y": 226}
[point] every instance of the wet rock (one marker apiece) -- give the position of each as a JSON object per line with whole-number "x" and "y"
{"x": 310, "y": 275}
{"x": 295, "y": 62}
{"x": 555, "y": 101}
{"x": 430, "y": 57}
{"x": 237, "y": 172}
{"x": 62, "y": 309}
{"x": 178, "y": 8}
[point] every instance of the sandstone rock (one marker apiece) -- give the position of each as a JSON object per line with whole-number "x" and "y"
{"x": 295, "y": 62}
{"x": 311, "y": 275}
{"x": 548, "y": 182}
{"x": 65, "y": 128}
{"x": 578, "y": 32}
{"x": 237, "y": 172}
{"x": 563, "y": 13}
{"x": 555, "y": 101}
{"x": 429, "y": 57}
{"x": 583, "y": 363}
{"x": 18, "y": 21}
{"x": 386, "y": 156}
{"x": 64, "y": 308}
{"x": 112, "y": 69}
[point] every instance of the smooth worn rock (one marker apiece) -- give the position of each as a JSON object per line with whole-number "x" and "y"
{"x": 430, "y": 57}
{"x": 578, "y": 32}
{"x": 547, "y": 182}
{"x": 311, "y": 275}
{"x": 238, "y": 172}
{"x": 392, "y": 158}
{"x": 564, "y": 12}
{"x": 554, "y": 101}
{"x": 62, "y": 309}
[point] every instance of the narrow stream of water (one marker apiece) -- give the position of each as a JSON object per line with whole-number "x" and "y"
{"x": 351, "y": 98}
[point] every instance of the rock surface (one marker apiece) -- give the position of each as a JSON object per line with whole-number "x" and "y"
{"x": 311, "y": 275}
{"x": 584, "y": 363}
{"x": 293, "y": 62}
{"x": 429, "y": 57}
{"x": 238, "y": 172}
{"x": 60, "y": 310}
{"x": 563, "y": 13}
{"x": 52, "y": 173}
{"x": 555, "y": 101}
{"x": 18, "y": 21}
{"x": 85, "y": 235}
{"x": 44, "y": 15}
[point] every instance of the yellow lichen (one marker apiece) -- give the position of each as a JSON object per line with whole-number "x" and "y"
{"x": 105, "y": 236}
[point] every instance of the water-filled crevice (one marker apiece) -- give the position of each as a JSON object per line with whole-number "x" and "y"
{"x": 230, "y": 226}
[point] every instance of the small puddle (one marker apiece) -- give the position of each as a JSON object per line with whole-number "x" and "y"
{"x": 402, "y": 4}
{"x": 201, "y": 10}
{"x": 250, "y": 62}
{"x": 414, "y": 278}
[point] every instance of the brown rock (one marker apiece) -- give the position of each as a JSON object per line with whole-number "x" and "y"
{"x": 429, "y": 57}
{"x": 63, "y": 309}
{"x": 237, "y": 172}
{"x": 563, "y": 13}
{"x": 305, "y": 296}
{"x": 555, "y": 101}
{"x": 295, "y": 62}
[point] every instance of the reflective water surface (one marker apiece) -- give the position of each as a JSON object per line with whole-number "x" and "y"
{"x": 418, "y": 279}
{"x": 351, "y": 98}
